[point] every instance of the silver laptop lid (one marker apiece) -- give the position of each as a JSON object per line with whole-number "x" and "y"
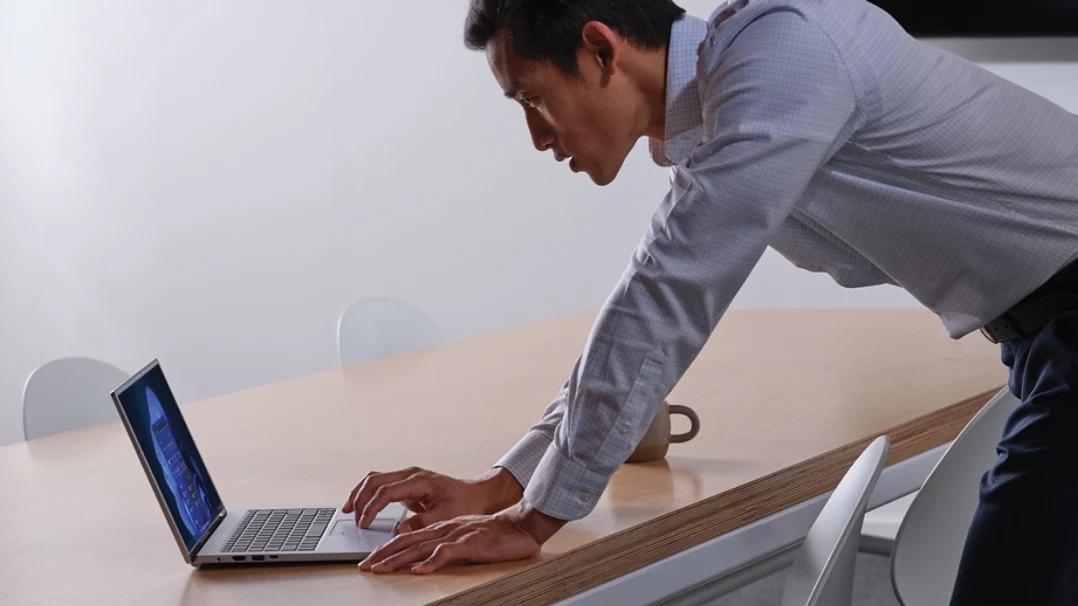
{"x": 169, "y": 457}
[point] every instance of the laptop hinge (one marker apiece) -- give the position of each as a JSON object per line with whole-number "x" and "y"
{"x": 209, "y": 532}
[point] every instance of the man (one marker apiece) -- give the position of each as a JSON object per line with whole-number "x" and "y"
{"x": 820, "y": 128}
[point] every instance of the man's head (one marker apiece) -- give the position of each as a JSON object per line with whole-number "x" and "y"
{"x": 590, "y": 74}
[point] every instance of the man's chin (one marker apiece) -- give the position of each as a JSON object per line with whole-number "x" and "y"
{"x": 604, "y": 177}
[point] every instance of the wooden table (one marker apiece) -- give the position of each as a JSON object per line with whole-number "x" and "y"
{"x": 787, "y": 400}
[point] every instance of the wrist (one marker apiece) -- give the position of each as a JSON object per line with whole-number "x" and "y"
{"x": 501, "y": 489}
{"x": 536, "y": 523}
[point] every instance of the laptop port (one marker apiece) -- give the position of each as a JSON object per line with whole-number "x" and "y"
{"x": 258, "y": 558}
{"x": 238, "y": 558}
{"x": 273, "y": 557}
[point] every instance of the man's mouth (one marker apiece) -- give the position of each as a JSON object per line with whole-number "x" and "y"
{"x": 560, "y": 157}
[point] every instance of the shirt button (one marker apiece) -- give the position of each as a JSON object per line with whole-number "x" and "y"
{"x": 585, "y": 497}
{"x": 624, "y": 430}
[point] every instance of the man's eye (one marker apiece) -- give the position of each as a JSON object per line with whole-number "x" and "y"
{"x": 527, "y": 101}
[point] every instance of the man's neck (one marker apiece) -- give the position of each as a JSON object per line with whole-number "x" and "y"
{"x": 648, "y": 70}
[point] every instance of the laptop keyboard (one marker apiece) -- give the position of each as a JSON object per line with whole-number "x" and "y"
{"x": 279, "y": 530}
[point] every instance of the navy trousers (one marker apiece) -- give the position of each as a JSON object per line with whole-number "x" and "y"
{"x": 1022, "y": 546}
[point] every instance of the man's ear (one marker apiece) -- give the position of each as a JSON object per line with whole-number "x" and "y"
{"x": 601, "y": 44}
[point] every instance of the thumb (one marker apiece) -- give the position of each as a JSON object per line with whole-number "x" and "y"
{"x": 420, "y": 521}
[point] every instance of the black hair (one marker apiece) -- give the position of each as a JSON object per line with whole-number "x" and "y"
{"x": 550, "y": 29}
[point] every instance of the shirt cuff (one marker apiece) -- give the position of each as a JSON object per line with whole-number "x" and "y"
{"x": 523, "y": 458}
{"x": 564, "y": 489}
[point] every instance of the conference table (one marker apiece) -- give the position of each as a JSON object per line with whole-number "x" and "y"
{"x": 787, "y": 400}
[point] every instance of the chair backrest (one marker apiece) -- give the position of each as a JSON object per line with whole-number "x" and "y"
{"x": 822, "y": 572}
{"x": 929, "y": 542}
{"x": 375, "y": 328}
{"x": 67, "y": 394}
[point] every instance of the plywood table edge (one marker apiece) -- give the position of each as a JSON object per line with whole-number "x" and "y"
{"x": 558, "y": 577}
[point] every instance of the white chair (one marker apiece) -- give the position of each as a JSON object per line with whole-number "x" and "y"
{"x": 881, "y": 525}
{"x": 928, "y": 546}
{"x": 375, "y": 328}
{"x": 822, "y": 572}
{"x": 67, "y": 394}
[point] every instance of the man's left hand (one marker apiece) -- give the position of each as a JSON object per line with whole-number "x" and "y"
{"x": 514, "y": 534}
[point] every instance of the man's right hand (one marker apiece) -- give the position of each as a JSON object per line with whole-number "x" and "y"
{"x": 433, "y": 497}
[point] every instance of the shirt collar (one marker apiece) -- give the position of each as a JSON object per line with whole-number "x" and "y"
{"x": 684, "y": 120}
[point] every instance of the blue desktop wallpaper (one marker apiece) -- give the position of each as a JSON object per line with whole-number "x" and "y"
{"x": 173, "y": 459}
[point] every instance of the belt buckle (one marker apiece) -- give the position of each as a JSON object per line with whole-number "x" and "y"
{"x": 988, "y": 335}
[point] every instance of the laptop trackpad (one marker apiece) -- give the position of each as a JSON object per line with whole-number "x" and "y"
{"x": 344, "y": 537}
{"x": 377, "y": 530}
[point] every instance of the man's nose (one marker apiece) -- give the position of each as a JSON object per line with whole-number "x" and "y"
{"x": 542, "y": 136}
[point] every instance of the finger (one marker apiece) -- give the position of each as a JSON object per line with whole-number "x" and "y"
{"x": 373, "y": 480}
{"x": 347, "y": 507}
{"x": 414, "y": 506}
{"x": 404, "y": 541}
{"x": 377, "y": 478}
{"x": 414, "y": 488}
{"x": 372, "y": 483}
{"x": 443, "y": 554}
{"x": 417, "y": 522}
{"x": 408, "y": 557}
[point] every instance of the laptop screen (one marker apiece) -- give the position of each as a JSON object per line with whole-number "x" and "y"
{"x": 169, "y": 454}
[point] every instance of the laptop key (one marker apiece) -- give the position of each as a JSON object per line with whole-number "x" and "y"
{"x": 317, "y": 529}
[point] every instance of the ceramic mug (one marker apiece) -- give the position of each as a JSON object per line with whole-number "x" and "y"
{"x": 657, "y": 439}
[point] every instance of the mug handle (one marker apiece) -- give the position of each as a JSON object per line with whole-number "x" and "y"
{"x": 677, "y": 409}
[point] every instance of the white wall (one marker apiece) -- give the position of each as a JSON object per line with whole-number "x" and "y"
{"x": 211, "y": 182}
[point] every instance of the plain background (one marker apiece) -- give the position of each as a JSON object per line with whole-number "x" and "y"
{"x": 212, "y": 182}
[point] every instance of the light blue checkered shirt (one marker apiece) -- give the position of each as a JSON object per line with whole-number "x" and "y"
{"x": 820, "y": 128}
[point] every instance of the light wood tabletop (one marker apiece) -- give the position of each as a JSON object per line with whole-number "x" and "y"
{"x": 787, "y": 399}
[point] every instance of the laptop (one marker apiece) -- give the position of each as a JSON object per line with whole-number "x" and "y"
{"x": 207, "y": 532}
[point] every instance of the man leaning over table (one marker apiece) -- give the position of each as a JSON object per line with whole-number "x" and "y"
{"x": 820, "y": 128}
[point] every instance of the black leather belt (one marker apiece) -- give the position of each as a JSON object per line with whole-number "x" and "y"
{"x": 1057, "y": 295}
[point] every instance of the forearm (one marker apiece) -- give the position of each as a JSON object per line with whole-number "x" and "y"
{"x": 647, "y": 335}
{"x": 536, "y": 523}
{"x": 525, "y": 456}
{"x": 501, "y": 488}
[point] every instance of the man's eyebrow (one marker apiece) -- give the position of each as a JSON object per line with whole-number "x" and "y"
{"x": 511, "y": 92}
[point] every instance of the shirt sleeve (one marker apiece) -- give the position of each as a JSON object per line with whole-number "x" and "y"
{"x": 777, "y": 103}
{"x": 522, "y": 460}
